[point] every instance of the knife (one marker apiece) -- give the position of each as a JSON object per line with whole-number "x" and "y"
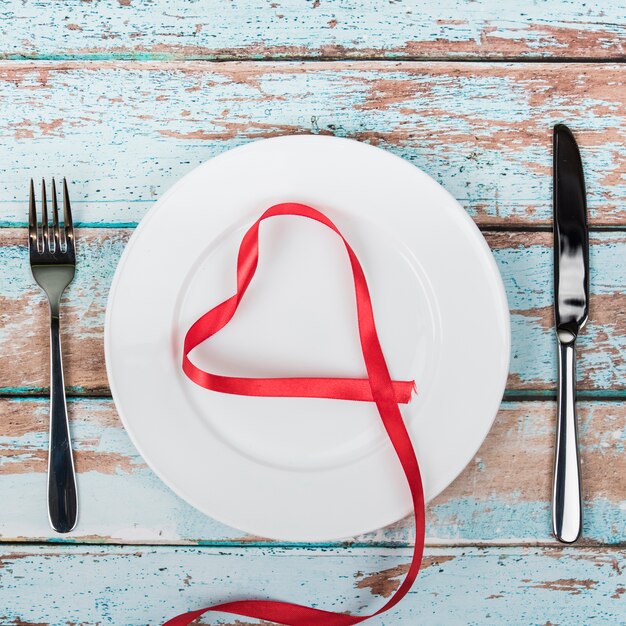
{"x": 571, "y": 308}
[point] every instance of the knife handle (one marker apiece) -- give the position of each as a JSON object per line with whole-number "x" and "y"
{"x": 566, "y": 498}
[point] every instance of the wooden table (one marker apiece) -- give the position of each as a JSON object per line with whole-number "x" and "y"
{"x": 124, "y": 98}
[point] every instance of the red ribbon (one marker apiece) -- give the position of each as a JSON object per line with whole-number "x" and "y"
{"x": 377, "y": 387}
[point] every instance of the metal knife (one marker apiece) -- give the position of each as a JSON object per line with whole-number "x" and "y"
{"x": 571, "y": 308}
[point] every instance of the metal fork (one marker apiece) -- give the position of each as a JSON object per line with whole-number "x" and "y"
{"x": 53, "y": 262}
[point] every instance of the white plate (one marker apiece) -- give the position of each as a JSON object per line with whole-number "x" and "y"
{"x": 306, "y": 469}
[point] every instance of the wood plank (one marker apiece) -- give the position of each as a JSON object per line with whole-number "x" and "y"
{"x": 68, "y": 585}
{"x": 313, "y": 29}
{"x": 525, "y": 260}
{"x": 503, "y": 496}
{"x": 124, "y": 132}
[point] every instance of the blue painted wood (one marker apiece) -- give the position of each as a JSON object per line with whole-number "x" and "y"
{"x": 524, "y": 259}
{"x": 457, "y": 586}
{"x": 123, "y": 133}
{"x": 502, "y": 497}
{"x": 311, "y": 28}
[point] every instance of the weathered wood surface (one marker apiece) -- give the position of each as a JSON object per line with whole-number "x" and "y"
{"x": 502, "y": 497}
{"x": 124, "y": 132}
{"x": 41, "y": 585}
{"x": 312, "y": 29}
{"x": 525, "y": 260}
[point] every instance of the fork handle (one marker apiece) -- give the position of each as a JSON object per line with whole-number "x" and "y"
{"x": 566, "y": 498}
{"x": 62, "y": 499}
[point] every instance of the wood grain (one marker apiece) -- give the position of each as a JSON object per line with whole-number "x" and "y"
{"x": 524, "y": 259}
{"x": 457, "y": 586}
{"x": 503, "y": 496}
{"x": 312, "y": 29}
{"x": 125, "y": 132}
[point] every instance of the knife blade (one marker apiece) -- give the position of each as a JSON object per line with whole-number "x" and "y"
{"x": 571, "y": 310}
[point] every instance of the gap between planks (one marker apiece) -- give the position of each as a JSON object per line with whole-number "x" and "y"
{"x": 345, "y": 56}
{"x": 582, "y": 545}
{"x": 540, "y": 395}
{"x": 484, "y": 228}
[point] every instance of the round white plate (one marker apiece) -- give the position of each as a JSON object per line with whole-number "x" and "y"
{"x": 291, "y": 468}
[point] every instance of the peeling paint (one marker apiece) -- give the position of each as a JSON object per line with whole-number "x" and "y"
{"x": 122, "y": 500}
{"x": 258, "y": 29}
{"x": 571, "y": 585}
{"x": 386, "y": 582}
{"x": 524, "y": 259}
{"x": 483, "y": 130}
{"x": 149, "y": 585}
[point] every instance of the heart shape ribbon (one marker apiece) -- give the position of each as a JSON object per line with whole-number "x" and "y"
{"x": 378, "y": 387}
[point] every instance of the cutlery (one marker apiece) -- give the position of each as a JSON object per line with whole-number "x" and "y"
{"x": 571, "y": 308}
{"x": 53, "y": 262}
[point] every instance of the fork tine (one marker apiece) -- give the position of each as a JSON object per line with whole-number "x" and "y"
{"x": 55, "y": 218}
{"x": 67, "y": 217}
{"x": 32, "y": 220}
{"x": 44, "y": 217}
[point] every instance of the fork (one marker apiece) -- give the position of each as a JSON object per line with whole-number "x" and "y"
{"x": 53, "y": 262}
